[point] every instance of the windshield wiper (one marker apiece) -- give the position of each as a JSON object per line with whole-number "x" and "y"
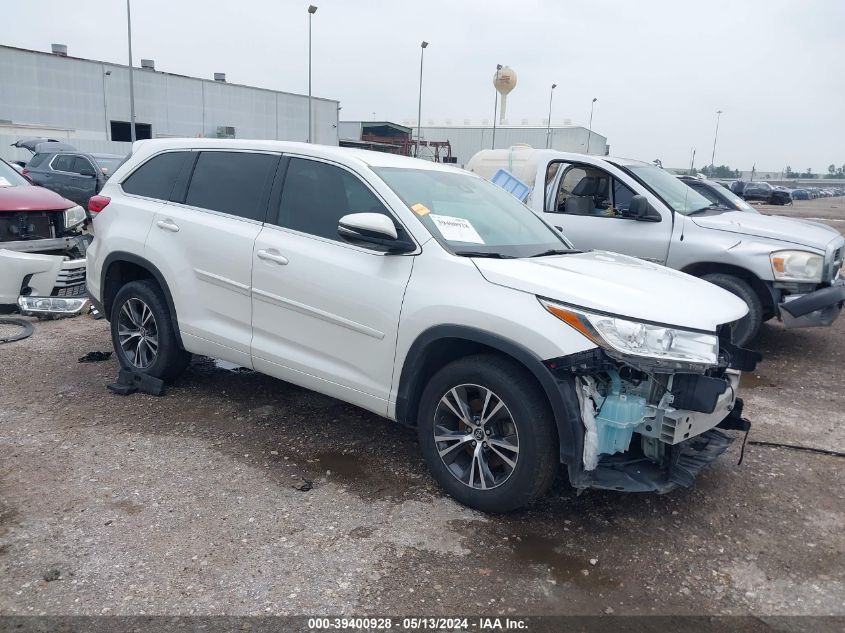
{"x": 556, "y": 251}
{"x": 492, "y": 255}
{"x": 712, "y": 207}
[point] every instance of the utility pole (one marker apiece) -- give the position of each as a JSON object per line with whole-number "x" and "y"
{"x": 131, "y": 78}
{"x": 423, "y": 46}
{"x": 549, "y": 125}
{"x": 590, "y": 131}
{"x": 715, "y": 136}
{"x": 311, "y": 11}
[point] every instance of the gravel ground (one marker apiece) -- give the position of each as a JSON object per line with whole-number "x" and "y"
{"x": 191, "y": 503}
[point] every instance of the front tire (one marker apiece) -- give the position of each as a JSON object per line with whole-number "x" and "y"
{"x": 487, "y": 433}
{"x": 746, "y": 329}
{"x": 142, "y": 332}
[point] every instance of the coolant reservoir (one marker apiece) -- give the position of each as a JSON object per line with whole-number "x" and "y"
{"x": 620, "y": 414}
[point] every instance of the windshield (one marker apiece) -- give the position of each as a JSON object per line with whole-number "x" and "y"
{"x": 672, "y": 191}
{"x": 470, "y": 216}
{"x": 737, "y": 202}
{"x": 9, "y": 177}
{"x": 108, "y": 165}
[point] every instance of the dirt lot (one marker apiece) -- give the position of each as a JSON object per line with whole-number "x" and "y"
{"x": 187, "y": 504}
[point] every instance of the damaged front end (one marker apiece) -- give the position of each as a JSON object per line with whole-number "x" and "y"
{"x": 42, "y": 259}
{"x": 650, "y": 424}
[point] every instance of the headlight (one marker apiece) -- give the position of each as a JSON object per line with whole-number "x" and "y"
{"x": 797, "y": 266}
{"x": 74, "y": 216}
{"x": 635, "y": 338}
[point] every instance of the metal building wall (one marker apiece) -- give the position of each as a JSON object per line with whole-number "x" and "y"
{"x": 466, "y": 141}
{"x": 45, "y": 91}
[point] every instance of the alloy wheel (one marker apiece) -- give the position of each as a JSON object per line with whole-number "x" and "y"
{"x": 476, "y": 436}
{"x": 137, "y": 332}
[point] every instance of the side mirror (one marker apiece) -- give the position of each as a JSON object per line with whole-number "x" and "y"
{"x": 87, "y": 172}
{"x": 373, "y": 228}
{"x": 640, "y": 209}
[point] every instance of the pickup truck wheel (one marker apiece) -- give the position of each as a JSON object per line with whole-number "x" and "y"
{"x": 142, "y": 332}
{"x": 745, "y": 330}
{"x": 487, "y": 433}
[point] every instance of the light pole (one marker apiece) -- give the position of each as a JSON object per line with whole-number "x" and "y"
{"x": 715, "y": 136}
{"x": 131, "y": 78}
{"x": 423, "y": 46}
{"x": 311, "y": 11}
{"x": 106, "y": 73}
{"x": 495, "y": 104}
{"x": 549, "y": 125}
{"x": 590, "y": 130}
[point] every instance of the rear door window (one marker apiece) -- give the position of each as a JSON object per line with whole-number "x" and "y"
{"x": 81, "y": 164}
{"x": 237, "y": 183}
{"x": 63, "y": 162}
{"x": 156, "y": 177}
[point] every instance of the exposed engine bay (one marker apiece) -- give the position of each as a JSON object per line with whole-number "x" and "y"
{"x": 649, "y": 428}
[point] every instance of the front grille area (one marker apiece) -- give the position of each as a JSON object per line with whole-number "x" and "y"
{"x": 70, "y": 282}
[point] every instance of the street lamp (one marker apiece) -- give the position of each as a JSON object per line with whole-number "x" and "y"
{"x": 715, "y": 136}
{"x": 311, "y": 11}
{"x": 131, "y": 78}
{"x": 423, "y": 46}
{"x": 495, "y": 104}
{"x": 549, "y": 125}
{"x": 590, "y": 130}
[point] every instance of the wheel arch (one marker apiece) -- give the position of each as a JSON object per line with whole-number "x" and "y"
{"x": 443, "y": 344}
{"x": 763, "y": 291}
{"x": 119, "y": 268}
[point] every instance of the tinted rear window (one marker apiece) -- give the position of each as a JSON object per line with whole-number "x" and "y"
{"x": 64, "y": 162}
{"x": 232, "y": 182}
{"x": 156, "y": 177}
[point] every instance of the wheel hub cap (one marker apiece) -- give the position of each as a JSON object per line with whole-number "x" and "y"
{"x": 476, "y": 436}
{"x": 137, "y": 333}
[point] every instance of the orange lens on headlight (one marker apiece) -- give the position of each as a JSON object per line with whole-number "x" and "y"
{"x": 574, "y": 320}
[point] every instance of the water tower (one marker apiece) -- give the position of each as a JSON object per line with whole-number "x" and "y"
{"x": 504, "y": 81}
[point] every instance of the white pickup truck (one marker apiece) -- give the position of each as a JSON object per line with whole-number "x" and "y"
{"x": 780, "y": 267}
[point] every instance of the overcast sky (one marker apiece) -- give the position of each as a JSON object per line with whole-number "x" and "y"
{"x": 659, "y": 68}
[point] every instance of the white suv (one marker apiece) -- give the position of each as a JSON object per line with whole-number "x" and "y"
{"x": 424, "y": 294}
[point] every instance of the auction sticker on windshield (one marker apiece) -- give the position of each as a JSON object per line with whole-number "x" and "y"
{"x": 456, "y": 229}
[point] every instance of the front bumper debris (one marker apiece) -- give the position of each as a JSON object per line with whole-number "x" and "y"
{"x": 816, "y": 309}
{"x": 42, "y": 285}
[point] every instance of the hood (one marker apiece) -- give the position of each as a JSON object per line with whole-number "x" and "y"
{"x": 772, "y": 227}
{"x": 30, "y": 198}
{"x": 618, "y": 284}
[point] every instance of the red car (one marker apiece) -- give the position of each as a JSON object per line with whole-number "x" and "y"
{"x": 42, "y": 248}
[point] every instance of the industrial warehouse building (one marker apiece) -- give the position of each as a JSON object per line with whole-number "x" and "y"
{"x": 86, "y": 103}
{"x": 464, "y": 141}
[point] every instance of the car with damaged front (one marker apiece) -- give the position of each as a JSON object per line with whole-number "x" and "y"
{"x": 426, "y": 295}
{"x": 42, "y": 248}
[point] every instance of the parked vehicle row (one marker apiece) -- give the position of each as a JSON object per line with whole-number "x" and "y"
{"x": 434, "y": 298}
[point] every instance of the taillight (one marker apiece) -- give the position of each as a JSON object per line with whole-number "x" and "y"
{"x": 98, "y": 203}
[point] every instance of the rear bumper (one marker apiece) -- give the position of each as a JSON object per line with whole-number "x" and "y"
{"x": 815, "y": 309}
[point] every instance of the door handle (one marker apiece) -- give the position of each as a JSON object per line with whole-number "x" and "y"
{"x": 168, "y": 225}
{"x": 271, "y": 256}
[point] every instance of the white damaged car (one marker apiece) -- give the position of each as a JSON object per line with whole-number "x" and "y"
{"x": 427, "y": 295}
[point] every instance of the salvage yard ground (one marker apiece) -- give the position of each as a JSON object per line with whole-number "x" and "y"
{"x": 191, "y": 503}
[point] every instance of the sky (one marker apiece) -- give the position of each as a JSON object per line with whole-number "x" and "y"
{"x": 660, "y": 69}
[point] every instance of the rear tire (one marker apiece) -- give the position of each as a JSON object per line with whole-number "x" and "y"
{"x": 142, "y": 332}
{"x": 746, "y": 329}
{"x": 515, "y": 456}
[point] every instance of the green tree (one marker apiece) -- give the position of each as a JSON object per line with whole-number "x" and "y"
{"x": 788, "y": 172}
{"x": 831, "y": 169}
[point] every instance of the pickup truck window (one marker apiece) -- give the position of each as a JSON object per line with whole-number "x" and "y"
{"x": 673, "y": 192}
{"x": 584, "y": 190}
{"x": 470, "y": 216}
